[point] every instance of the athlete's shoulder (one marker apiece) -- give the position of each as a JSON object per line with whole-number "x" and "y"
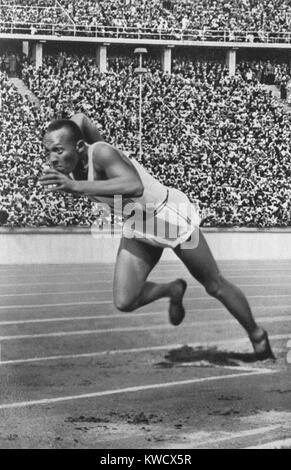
{"x": 101, "y": 146}
{"x": 104, "y": 153}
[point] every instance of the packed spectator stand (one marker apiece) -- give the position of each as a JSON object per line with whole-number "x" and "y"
{"x": 223, "y": 140}
{"x": 206, "y": 20}
{"x": 21, "y": 157}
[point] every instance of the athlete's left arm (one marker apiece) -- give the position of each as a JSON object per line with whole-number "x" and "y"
{"x": 90, "y": 132}
{"x": 121, "y": 177}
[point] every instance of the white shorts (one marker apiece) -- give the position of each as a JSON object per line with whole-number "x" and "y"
{"x": 169, "y": 225}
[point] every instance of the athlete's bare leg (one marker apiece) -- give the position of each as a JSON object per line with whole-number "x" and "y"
{"x": 135, "y": 261}
{"x": 203, "y": 267}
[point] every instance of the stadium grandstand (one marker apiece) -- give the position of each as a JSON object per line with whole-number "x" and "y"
{"x": 248, "y": 20}
{"x": 216, "y": 120}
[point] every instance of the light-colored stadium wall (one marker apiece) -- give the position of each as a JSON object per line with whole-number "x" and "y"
{"x": 65, "y": 246}
{"x": 231, "y": 61}
{"x": 37, "y": 54}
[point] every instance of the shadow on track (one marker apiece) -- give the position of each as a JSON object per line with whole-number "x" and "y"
{"x": 205, "y": 356}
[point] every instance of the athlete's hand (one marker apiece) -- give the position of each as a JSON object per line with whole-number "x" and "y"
{"x": 54, "y": 181}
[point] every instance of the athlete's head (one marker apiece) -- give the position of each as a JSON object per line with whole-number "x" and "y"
{"x": 64, "y": 144}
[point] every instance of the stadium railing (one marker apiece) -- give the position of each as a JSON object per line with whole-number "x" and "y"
{"x": 69, "y": 29}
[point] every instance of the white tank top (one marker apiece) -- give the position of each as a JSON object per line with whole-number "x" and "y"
{"x": 154, "y": 193}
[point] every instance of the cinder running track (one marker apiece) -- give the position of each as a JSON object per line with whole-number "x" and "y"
{"x": 75, "y": 373}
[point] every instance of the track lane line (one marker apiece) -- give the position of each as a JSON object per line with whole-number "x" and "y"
{"x": 68, "y": 304}
{"x": 230, "y": 437}
{"x": 59, "y": 283}
{"x": 141, "y": 388}
{"x": 51, "y": 268}
{"x": 60, "y": 334}
{"x": 95, "y": 291}
{"x": 158, "y": 312}
{"x": 110, "y": 272}
{"x": 133, "y": 315}
{"x": 118, "y": 352}
{"x": 101, "y": 302}
{"x": 75, "y": 292}
{"x": 73, "y": 319}
{"x": 279, "y": 444}
{"x": 153, "y": 278}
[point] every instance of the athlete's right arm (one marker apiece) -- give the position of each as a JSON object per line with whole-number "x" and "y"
{"x": 119, "y": 177}
{"x": 89, "y": 130}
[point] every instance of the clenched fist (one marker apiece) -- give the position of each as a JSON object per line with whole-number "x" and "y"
{"x": 52, "y": 180}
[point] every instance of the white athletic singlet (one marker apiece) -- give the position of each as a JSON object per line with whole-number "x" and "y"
{"x": 168, "y": 219}
{"x": 154, "y": 192}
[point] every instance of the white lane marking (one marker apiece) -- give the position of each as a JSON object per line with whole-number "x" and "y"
{"x": 76, "y": 292}
{"x": 280, "y": 444}
{"x": 95, "y": 291}
{"x": 157, "y": 312}
{"x": 239, "y": 435}
{"x": 178, "y": 269}
{"x": 59, "y": 283}
{"x": 153, "y": 278}
{"x": 109, "y": 267}
{"x": 136, "y": 328}
{"x": 141, "y": 388}
{"x": 100, "y": 302}
{"x": 85, "y": 318}
{"x": 134, "y": 316}
{"x": 162, "y": 264}
{"x": 247, "y": 265}
{"x": 67, "y": 304}
{"x": 118, "y": 352}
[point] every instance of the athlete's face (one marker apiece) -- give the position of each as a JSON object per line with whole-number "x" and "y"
{"x": 62, "y": 152}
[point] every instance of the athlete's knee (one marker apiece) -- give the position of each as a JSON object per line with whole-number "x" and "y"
{"x": 123, "y": 304}
{"x": 214, "y": 286}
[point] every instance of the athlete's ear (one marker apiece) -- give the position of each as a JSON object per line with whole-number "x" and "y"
{"x": 80, "y": 146}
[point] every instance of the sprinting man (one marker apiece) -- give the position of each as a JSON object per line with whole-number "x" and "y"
{"x": 83, "y": 164}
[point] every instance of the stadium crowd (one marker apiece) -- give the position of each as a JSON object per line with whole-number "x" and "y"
{"x": 224, "y": 141}
{"x": 11, "y": 63}
{"x": 37, "y": 16}
{"x": 269, "y": 73}
{"x": 22, "y": 160}
{"x": 266, "y": 72}
{"x": 256, "y": 17}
